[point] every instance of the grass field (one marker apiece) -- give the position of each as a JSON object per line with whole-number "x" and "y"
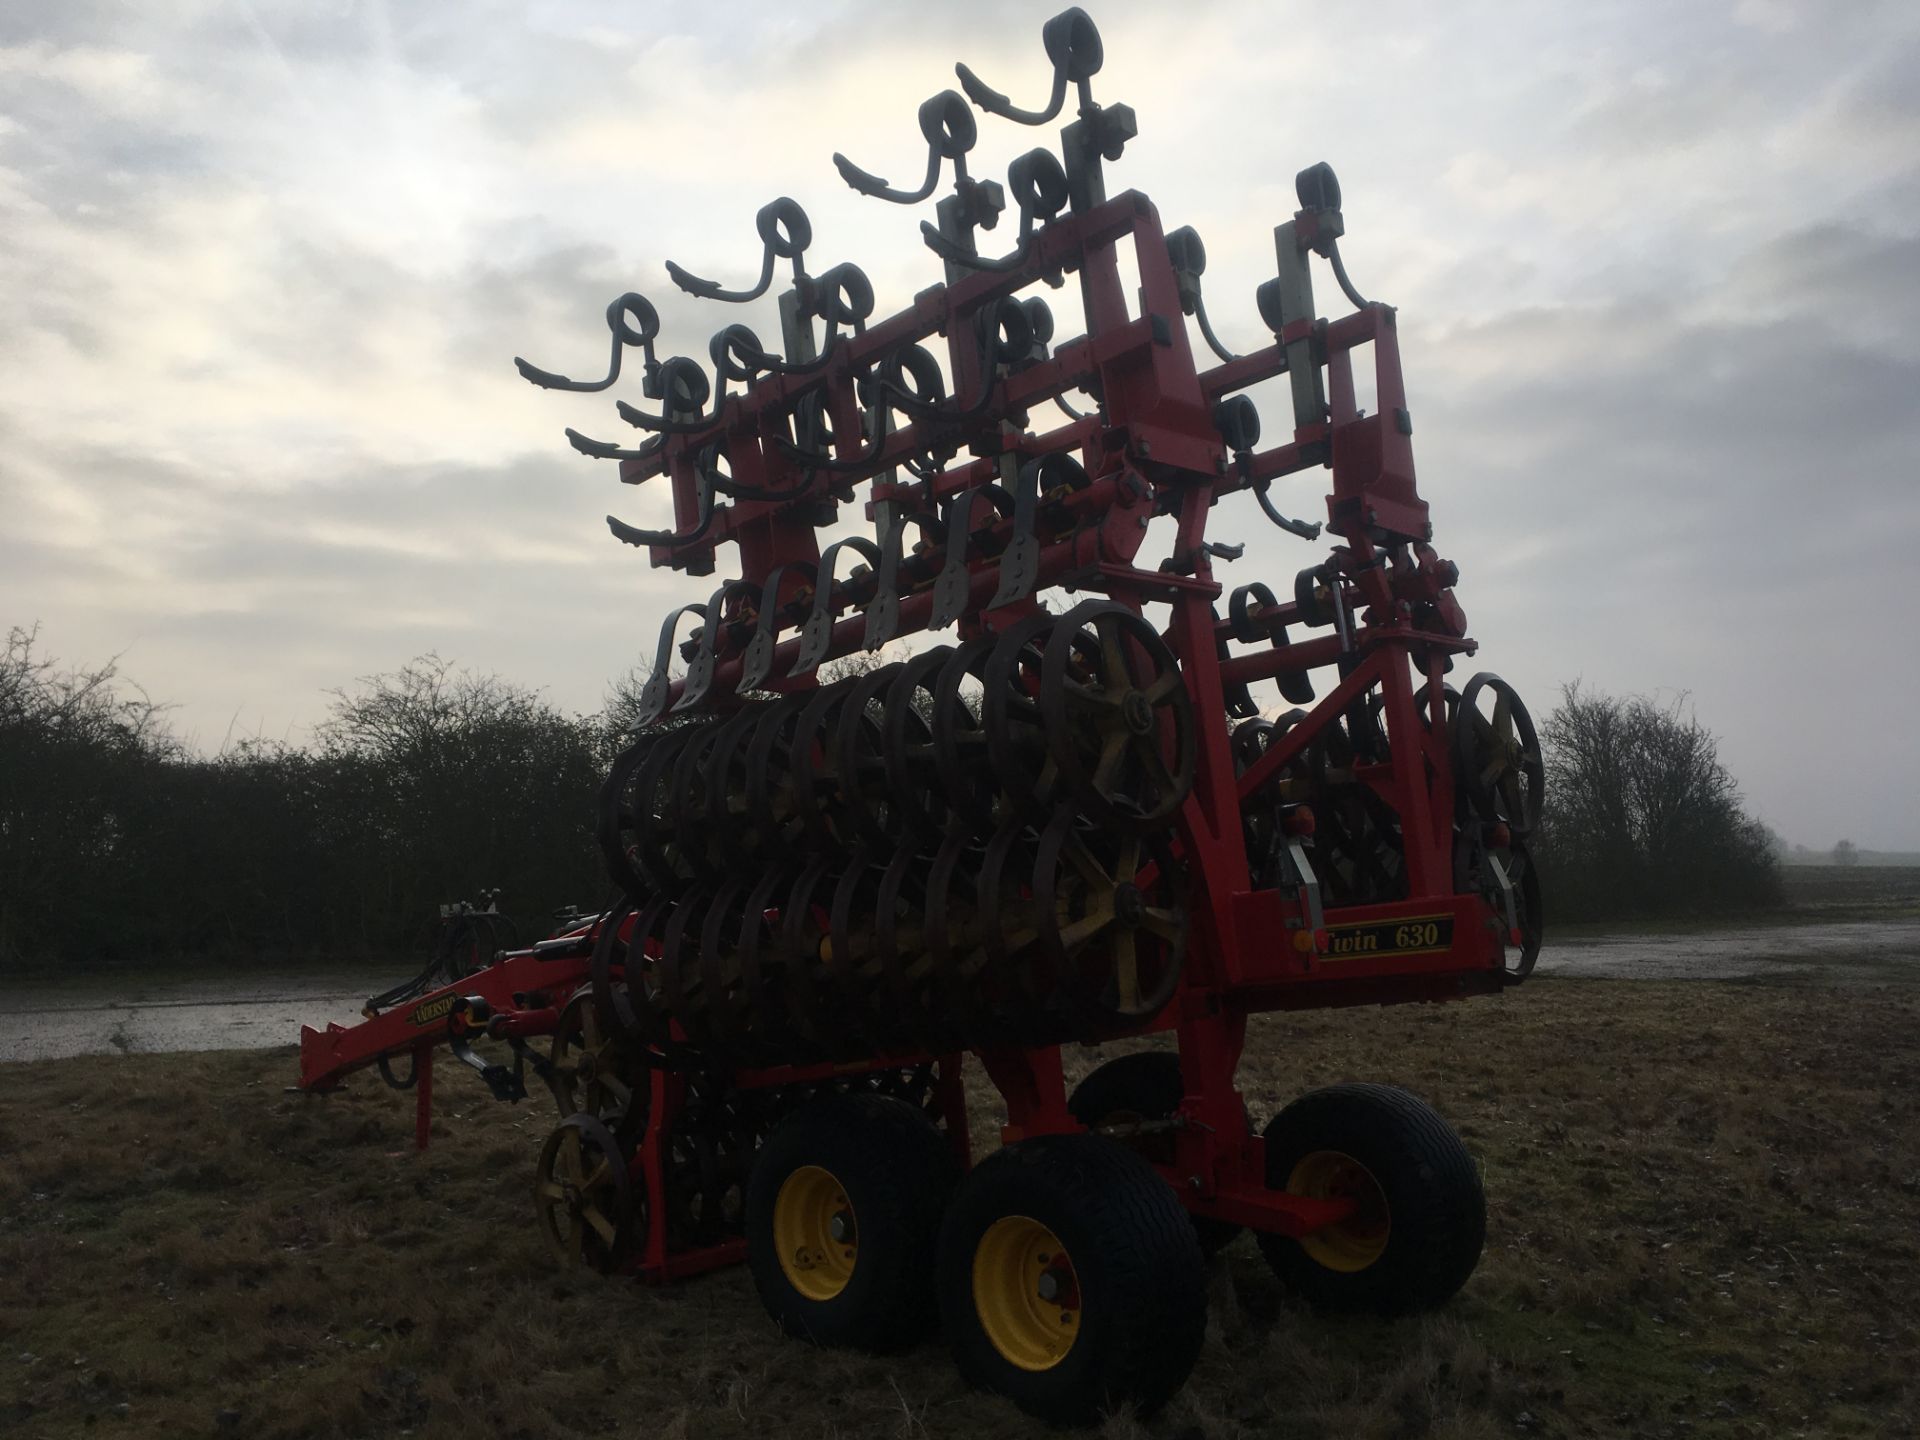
{"x": 1705, "y": 1221}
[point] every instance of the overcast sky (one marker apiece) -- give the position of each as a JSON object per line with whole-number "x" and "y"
{"x": 264, "y": 267}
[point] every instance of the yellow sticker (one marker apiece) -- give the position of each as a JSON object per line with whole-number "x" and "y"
{"x": 431, "y": 1010}
{"x": 1388, "y": 939}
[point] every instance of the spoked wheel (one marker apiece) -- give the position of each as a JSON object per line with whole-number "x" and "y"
{"x": 1070, "y": 1281}
{"x": 759, "y": 1023}
{"x": 709, "y": 1155}
{"x": 595, "y": 1073}
{"x": 942, "y": 986}
{"x": 687, "y": 792}
{"x": 652, "y": 840}
{"x": 615, "y": 827}
{"x": 960, "y": 750}
{"x": 1496, "y": 755}
{"x": 1524, "y": 880}
{"x": 912, "y": 715}
{"x": 1112, "y": 921}
{"x": 813, "y": 763}
{"x": 773, "y": 800}
{"x": 874, "y": 808}
{"x": 843, "y": 1212}
{"x": 1118, "y": 719}
{"x": 1261, "y": 812}
{"x": 682, "y": 978}
{"x": 729, "y": 824}
{"x": 626, "y": 984}
{"x": 1417, "y": 1219}
{"x": 1022, "y": 765}
{"x": 584, "y": 1196}
{"x": 1005, "y": 985}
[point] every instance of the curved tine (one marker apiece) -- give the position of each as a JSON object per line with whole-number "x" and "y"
{"x": 700, "y": 668}
{"x": 1073, "y": 44}
{"x": 758, "y": 661}
{"x": 1020, "y": 561}
{"x": 671, "y": 539}
{"x": 819, "y": 461}
{"x": 816, "y": 635}
{"x": 737, "y": 354}
{"x": 633, "y": 321}
{"x": 1359, "y": 301}
{"x": 1206, "y": 331}
{"x": 883, "y": 610}
{"x": 653, "y": 695}
{"x": 681, "y": 373}
{"x": 947, "y": 250}
{"x": 607, "y": 450}
{"x": 955, "y": 582}
{"x": 790, "y": 245}
{"x": 915, "y": 363}
{"x": 948, "y": 127}
{"x": 988, "y": 322}
{"x": 1040, "y": 185}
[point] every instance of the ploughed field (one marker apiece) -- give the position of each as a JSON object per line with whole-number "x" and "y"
{"x": 1704, "y": 1220}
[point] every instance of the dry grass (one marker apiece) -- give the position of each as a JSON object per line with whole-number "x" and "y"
{"x": 1704, "y": 1204}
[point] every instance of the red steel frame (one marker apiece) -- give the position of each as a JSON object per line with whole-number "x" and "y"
{"x": 1155, "y": 449}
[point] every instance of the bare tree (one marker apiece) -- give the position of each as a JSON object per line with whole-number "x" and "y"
{"x": 1846, "y": 853}
{"x": 1641, "y": 816}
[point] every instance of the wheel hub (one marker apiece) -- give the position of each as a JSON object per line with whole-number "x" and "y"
{"x": 814, "y": 1233}
{"x": 1137, "y": 712}
{"x": 1129, "y": 906}
{"x": 1025, "y": 1293}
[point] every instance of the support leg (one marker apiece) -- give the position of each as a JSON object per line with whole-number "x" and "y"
{"x": 422, "y": 1096}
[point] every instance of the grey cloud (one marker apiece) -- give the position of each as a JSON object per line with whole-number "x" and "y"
{"x": 1658, "y": 273}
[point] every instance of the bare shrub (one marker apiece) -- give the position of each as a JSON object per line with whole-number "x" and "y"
{"x": 1642, "y": 818}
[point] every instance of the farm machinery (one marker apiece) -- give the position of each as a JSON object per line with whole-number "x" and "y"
{"x": 1123, "y": 797}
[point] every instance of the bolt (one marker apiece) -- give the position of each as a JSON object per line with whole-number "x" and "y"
{"x": 1052, "y": 1286}
{"x": 841, "y": 1227}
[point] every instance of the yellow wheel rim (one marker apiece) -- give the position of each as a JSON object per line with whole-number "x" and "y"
{"x": 814, "y": 1233}
{"x": 1354, "y": 1243}
{"x": 1026, "y": 1293}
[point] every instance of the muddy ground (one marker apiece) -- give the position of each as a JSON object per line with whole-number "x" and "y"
{"x": 1704, "y": 1222}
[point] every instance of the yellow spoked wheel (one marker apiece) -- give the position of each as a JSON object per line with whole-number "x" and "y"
{"x": 1026, "y": 1293}
{"x": 815, "y": 1235}
{"x": 583, "y": 1196}
{"x": 1360, "y": 1239}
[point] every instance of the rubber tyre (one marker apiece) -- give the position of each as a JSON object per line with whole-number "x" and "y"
{"x": 1144, "y": 1086}
{"x": 1437, "y": 1212}
{"x": 898, "y": 1172}
{"x": 1137, "y": 1266}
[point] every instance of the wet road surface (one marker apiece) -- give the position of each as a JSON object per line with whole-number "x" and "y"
{"x": 106, "y": 1014}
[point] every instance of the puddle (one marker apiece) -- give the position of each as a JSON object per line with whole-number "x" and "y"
{"x": 152, "y": 1014}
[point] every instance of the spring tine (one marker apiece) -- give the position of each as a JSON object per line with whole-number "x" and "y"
{"x": 653, "y": 695}
{"x": 950, "y": 132}
{"x": 883, "y": 611}
{"x": 788, "y": 244}
{"x": 633, "y": 321}
{"x": 757, "y": 663}
{"x": 1073, "y": 44}
{"x": 817, "y": 634}
{"x": 700, "y": 668}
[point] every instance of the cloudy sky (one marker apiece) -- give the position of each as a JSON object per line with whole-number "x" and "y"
{"x": 264, "y": 267}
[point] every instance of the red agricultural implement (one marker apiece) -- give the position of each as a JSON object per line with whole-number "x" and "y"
{"x": 1079, "y": 821}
